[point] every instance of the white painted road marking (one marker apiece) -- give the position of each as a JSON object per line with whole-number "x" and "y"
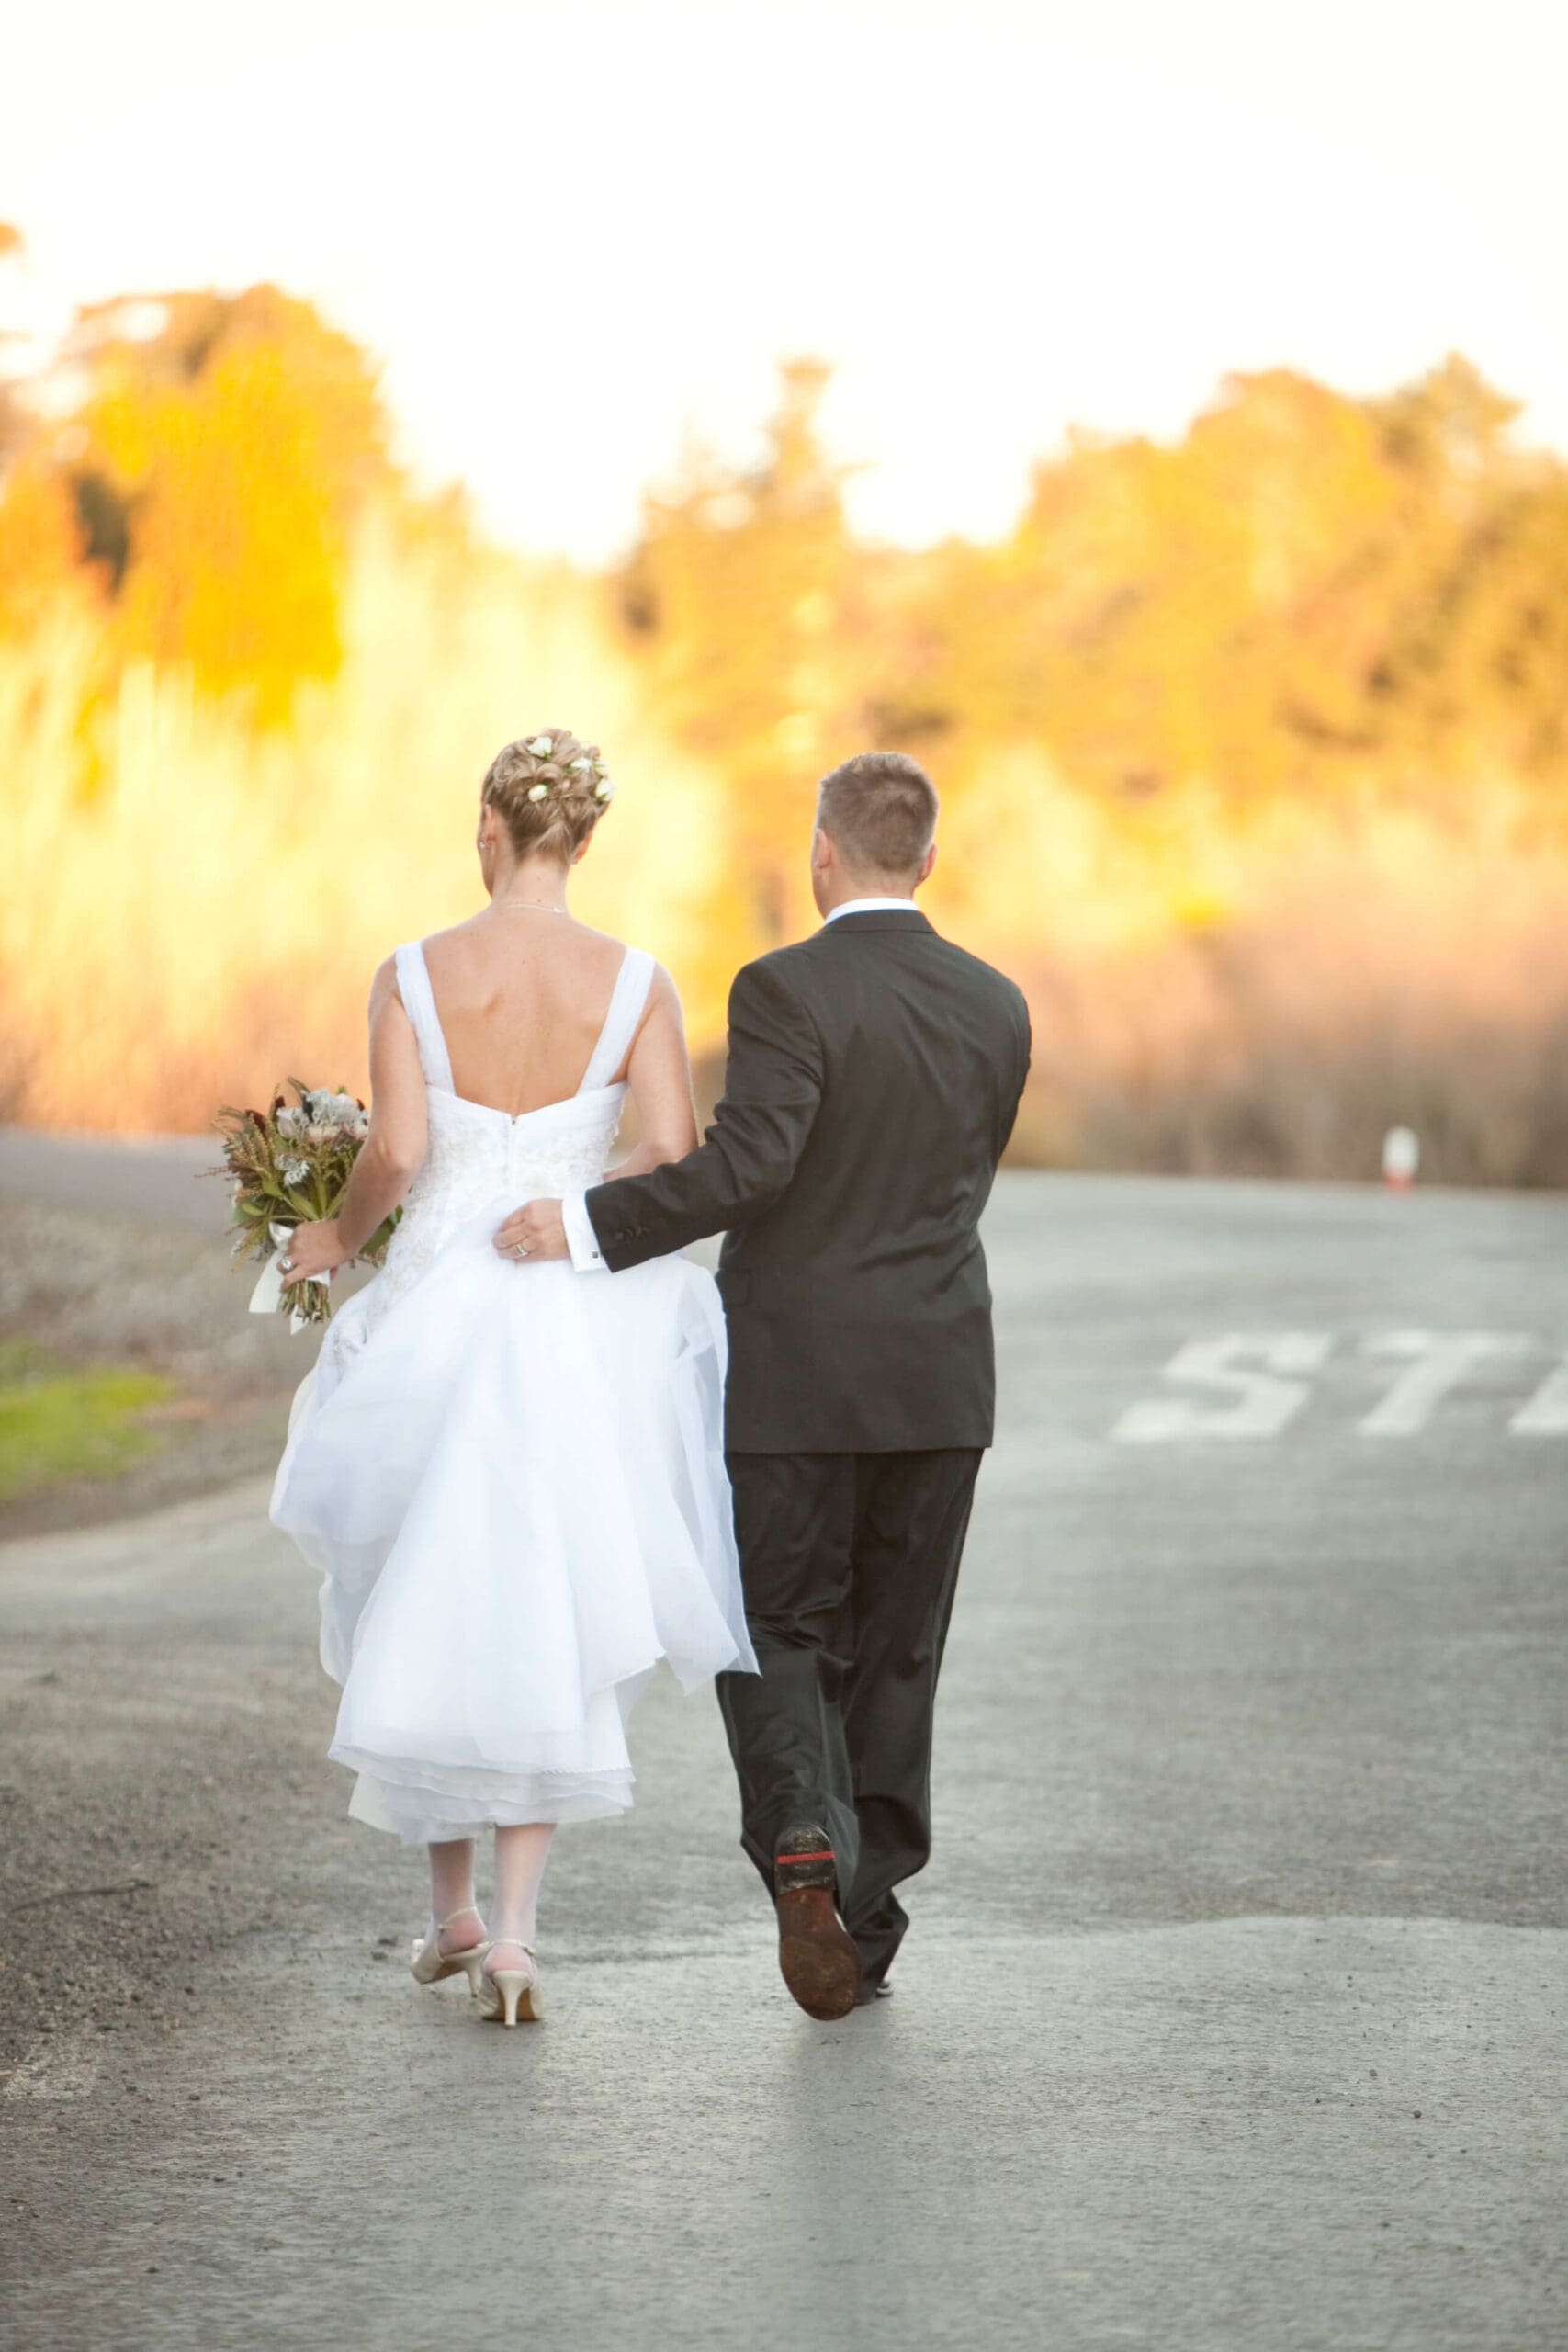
{"x": 1260, "y": 1388}
{"x": 1439, "y": 1362}
{"x": 1546, "y": 1414}
{"x": 1261, "y": 1403}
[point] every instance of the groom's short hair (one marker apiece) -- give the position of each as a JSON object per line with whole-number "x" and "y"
{"x": 881, "y": 810}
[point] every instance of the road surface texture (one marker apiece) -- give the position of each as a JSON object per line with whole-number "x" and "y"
{"x": 1232, "y": 2014}
{"x": 151, "y": 1179}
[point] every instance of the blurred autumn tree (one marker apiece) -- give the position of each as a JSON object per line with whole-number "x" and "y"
{"x": 1307, "y": 595}
{"x": 41, "y": 545}
{"x": 743, "y": 593}
{"x": 205, "y": 458}
{"x": 1308, "y": 591}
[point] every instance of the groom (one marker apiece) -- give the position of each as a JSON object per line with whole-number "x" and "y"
{"x": 873, "y": 1076}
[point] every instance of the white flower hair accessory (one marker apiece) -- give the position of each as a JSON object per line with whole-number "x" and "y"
{"x": 551, "y": 766}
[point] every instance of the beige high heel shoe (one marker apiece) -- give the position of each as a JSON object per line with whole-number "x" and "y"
{"x": 508, "y": 1994}
{"x": 431, "y": 1965}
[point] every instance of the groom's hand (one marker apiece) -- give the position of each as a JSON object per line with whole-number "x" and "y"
{"x": 537, "y": 1232}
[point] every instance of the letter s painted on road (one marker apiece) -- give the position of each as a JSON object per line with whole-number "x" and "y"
{"x": 1258, "y": 1402}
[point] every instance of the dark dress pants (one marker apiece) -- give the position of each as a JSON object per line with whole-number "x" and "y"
{"x": 848, "y": 1563}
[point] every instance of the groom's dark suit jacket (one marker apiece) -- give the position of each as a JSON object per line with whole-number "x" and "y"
{"x": 873, "y": 1076}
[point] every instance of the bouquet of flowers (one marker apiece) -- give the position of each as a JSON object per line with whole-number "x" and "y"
{"x": 286, "y": 1168}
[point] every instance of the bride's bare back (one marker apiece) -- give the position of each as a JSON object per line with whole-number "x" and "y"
{"x": 522, "y": 996}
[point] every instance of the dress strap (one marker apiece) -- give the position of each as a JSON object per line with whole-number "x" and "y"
{"x": 632, "y": 984}
{"x": 419, "y": 1003}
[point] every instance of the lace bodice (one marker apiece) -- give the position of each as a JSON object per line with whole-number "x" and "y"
{"x": 477, "y": 1157}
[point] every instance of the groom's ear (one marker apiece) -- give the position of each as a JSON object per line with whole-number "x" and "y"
{"x": 822, "y": 851}
{"x": 926, "y": 864}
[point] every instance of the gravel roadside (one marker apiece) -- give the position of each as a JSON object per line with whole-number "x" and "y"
{"x": 113, "y": 1884}
{"x": 88, "y": 1287}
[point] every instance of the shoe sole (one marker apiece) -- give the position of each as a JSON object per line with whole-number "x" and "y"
{"x": 818, "y": 1960}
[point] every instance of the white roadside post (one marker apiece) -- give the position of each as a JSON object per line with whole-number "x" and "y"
{"x": 1401, "y": 1158}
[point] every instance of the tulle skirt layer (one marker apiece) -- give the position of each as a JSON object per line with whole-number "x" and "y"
{"x": 512, "y": 1478}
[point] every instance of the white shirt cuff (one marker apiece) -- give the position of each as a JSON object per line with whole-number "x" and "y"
{"x": 581, "y": 1238}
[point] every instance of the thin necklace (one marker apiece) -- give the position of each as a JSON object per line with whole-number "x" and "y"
{"x": 524, "y": 906}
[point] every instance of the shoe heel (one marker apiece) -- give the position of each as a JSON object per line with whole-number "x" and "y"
{"x": 517, "y": 1992}
{"x": 817, "y": 1865}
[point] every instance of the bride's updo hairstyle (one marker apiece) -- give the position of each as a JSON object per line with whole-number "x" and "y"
{"x": 549, "y": 791}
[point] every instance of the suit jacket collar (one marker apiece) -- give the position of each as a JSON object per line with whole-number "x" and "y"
{"x": 884, "y": 919}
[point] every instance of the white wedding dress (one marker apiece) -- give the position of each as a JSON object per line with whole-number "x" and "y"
{"x": 511, "y": 1476}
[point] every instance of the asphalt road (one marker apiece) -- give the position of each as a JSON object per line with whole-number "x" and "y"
{"x": 149, "y": 1179}
{"x": 1232, "y": 2012}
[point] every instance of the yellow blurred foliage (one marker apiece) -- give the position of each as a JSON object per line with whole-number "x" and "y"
{"x": 206, "y": 920}
{"x": 1253, "y": 750}
{"x": 221, "y": 462}
{"x": 735, "y": 601}
{"x": 41, "y": 549}
{"x": 236, "y": 569}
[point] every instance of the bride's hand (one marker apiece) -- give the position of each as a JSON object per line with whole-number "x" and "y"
{"x": 537, "y": 1232}
{"x": 312, "y": 1249}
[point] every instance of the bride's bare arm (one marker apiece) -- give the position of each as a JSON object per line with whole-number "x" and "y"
{"x": 660, "y": 1076}
{"x": 392, "y": 1152}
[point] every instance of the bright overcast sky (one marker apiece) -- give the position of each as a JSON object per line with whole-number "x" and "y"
{"x": 571, "y": 231}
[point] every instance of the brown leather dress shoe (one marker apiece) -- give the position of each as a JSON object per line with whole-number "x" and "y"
{"x": 817, "y": 1958}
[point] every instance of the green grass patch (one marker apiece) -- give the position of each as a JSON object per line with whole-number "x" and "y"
{"x": 56, "y": 1424}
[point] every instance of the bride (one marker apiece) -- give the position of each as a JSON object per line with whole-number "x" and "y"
{"x": 513, "y": 1480}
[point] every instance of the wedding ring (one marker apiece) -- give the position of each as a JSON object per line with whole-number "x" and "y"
{"x": 520, "y": 1249}
{"x": 286, "y": 1265}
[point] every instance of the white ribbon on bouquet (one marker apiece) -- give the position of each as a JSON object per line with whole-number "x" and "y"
{"x": 267, "y": 1295}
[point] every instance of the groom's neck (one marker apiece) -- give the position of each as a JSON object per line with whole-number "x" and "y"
{"x": 845, "y": 889}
